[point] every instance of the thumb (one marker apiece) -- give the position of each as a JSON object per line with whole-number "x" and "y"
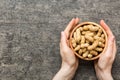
{"x": 63, "y": 40}
{"x": 110, "y": 46}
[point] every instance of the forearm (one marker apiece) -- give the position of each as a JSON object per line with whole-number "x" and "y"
{"x": 65, "y": 74}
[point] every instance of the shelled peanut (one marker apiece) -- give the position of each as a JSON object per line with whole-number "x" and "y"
{"x": 88, "y": 40}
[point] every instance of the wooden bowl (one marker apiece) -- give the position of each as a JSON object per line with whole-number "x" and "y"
{"x": 80, "y": 25}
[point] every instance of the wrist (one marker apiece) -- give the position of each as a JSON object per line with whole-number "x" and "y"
{"x": 104, "y": 75}
{"x": 65, "y": 73}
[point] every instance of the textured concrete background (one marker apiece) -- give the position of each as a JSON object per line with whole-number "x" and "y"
{"x": 30, "y": 35}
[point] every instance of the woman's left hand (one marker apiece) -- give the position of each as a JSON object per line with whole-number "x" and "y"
{"x": 69, "y": 60}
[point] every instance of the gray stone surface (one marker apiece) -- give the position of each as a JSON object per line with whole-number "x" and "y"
{"x": 30, "y": 35}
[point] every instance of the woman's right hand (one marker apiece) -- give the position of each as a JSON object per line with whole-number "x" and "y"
{"x": 103, "y": 65}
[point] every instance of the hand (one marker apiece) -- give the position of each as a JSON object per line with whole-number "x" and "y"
{"x": 103, "y": 65}
{"x": 69, "y": 60}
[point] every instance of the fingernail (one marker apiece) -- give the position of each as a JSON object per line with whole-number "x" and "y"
{"x": 102, "y": 20}
{"x": 62, "y": 33}
{"x": 76, "y": 18}
{"x": 73, "y": 18}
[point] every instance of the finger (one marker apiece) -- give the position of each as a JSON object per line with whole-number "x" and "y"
{"x": 76, "y": 21}
{"x": 64, "y": 49}
{"x": 109, "y": 51}
{"x": 114, "y": 50}
{"x": 63, "y": 42}
{"x": 115, "y": 47}
{"x": 106, "y": 28}
{"x": 69, "y": 26}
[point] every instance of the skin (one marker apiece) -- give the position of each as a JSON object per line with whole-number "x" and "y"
{"x": 70, "y": 62}
{"x": 103, "y": 65}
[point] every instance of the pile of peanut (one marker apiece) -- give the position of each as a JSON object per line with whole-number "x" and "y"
{"x": 88, "y": 41}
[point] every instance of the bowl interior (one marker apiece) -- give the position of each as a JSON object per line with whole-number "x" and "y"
{"x": 88, "y": 23}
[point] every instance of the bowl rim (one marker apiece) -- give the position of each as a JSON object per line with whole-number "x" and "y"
{"x": 84, "y": 23}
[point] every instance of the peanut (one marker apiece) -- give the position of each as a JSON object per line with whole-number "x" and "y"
{"x": 73, "y": 42}
{"x": 103, "y": 36}
{"x": 89, "y": 38}
{"x": 90, "y": 55}
{"x": 84, "y": 49}
{"x": 94, "y": 52}
{"x": 74, "y": 35}
{"x": 87, "y": 41}
{"x": 99, "y": 38}
{"x": 84, "y": 32}
{"x": 81, "y": 29}
{"x": 85, "y": 54}
{"x": 101, "y": 44}
{"x": 99, "y": 32}
{"x": 85, "y": 28}
{"x": 77, "y": 48}
{"x": 93, "y": 46}
{"x": 92, "y": 28}
{"x": 82, "y": 39}
{"x": 90, "y": 34}
{"x": 78, "y": 35}
{"x": 84, "y": 45}
{"x": 98, "y": 49}
{"x": 80, "y": 52}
